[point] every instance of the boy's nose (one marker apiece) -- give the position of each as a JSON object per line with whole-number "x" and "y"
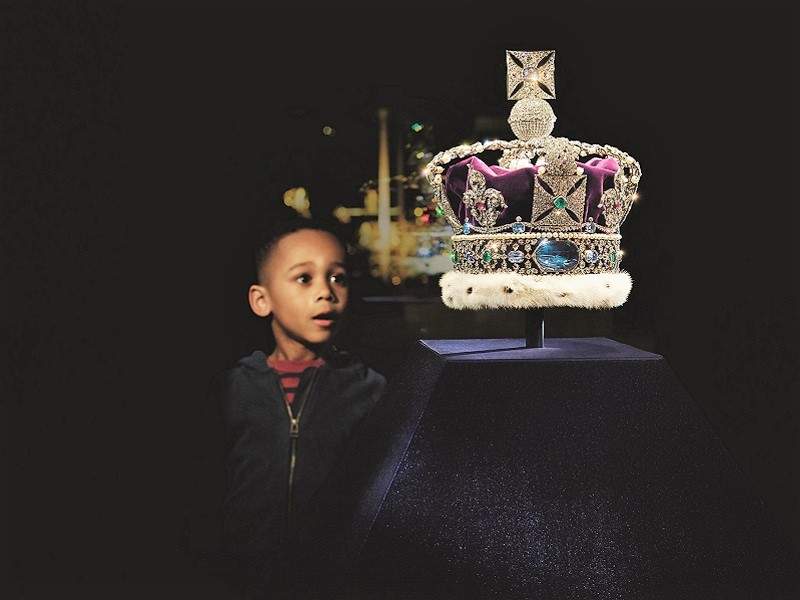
{"x": 326, "y": 293}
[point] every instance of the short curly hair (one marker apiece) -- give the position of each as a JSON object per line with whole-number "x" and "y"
{"x": 269, "y": 239}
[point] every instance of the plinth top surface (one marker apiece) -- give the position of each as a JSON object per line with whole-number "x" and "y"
{"x": 596, "y": 348}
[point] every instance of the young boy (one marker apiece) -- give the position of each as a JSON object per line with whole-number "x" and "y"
{"x": 288, "y": 414}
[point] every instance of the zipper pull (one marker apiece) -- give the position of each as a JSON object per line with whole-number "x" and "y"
{"x": 294, "y": 428}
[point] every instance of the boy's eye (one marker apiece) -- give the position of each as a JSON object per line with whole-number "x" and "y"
{"x": 339, "y": 278}
{"x": 304, "y": 278}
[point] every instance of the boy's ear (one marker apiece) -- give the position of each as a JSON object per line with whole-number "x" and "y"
{"x": 260, "y": 302}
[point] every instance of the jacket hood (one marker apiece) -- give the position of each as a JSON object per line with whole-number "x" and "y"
{"x": 335, "y": 359}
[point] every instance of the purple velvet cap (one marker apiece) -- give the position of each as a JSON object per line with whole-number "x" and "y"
{"x": 517, "y": 186}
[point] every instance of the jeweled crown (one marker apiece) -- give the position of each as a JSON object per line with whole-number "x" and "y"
{"x": 541, "y": 228}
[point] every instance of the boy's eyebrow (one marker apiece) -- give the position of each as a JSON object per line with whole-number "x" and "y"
{"x": 308, "y": 262}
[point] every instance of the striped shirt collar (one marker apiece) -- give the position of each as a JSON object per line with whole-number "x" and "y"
{"x": 293, "y": 366}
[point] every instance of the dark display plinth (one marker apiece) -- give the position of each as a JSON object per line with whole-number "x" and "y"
{"x": 578, "y": 470}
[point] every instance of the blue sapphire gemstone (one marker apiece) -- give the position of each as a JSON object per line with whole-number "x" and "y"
{"x": 466, "y": 227}
{"x": 518, "y": 228}
{"x": 556, "y": 255}
{"x": 515, "y": 256}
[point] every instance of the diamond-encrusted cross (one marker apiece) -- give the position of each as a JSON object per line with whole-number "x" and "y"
{"x": 531, "y": 74}
{"x": 559, "y": 201}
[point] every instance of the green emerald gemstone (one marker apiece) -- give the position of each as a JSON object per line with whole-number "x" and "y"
{"x": 439, "y": 211}
{"x": 454, "y": 256}
{"x": 613, "y": 257}
{"x": 559, "y": 202}
{"x": 487, "y": 256}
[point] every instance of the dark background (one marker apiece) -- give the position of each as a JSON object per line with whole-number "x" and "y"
{"x": 142, "y": 147}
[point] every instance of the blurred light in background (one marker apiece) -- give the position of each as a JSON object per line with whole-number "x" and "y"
{"x": 297, "y": 198}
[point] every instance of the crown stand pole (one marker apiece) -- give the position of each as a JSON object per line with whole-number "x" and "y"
{"x": 534, "y": 328}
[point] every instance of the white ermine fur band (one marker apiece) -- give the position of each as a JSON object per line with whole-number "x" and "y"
{"x": 511, "y": 290}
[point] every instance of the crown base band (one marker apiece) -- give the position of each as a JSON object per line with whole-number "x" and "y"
{"x": 466, "y": 291}
{"x": 537, "y": 254}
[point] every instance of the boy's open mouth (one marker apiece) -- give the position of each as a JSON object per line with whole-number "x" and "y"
{"x": 326, "y": 319}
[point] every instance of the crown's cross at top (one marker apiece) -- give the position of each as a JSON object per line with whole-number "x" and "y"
{"x": 531, "y": 74}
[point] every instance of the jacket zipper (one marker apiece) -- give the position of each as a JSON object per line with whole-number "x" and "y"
{"x": 294, "y": 434}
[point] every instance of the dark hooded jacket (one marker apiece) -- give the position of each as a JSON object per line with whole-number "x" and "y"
{"x": 259, "y": 513}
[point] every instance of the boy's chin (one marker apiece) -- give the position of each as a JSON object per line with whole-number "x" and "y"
{"x": 317, "y": 338}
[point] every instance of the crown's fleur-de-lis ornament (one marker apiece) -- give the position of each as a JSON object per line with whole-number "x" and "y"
{"x": 484, "y": 203}
{"x": 541, "y": 228}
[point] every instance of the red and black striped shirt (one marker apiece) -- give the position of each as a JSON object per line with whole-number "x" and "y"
{"x": 289, "y": 372}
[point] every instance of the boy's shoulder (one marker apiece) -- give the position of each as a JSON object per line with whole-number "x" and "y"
{"x": 349, "y": 366}
{"x": 344, "y": 360}
{"x": 253, "y": 363}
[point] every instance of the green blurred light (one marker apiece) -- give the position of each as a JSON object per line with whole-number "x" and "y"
{"x": 417, "y": 127}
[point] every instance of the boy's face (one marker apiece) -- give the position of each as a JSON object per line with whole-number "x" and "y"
{"x": 305, "y": 285}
